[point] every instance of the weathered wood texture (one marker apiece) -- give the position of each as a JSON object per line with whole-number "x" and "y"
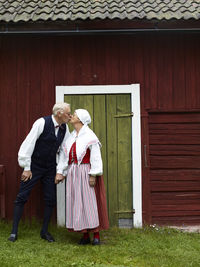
{"x": 115, "y": 137}
{"x": 2, "y": 192}
{"x": 174, "y": 167}
{"x": 165, "y": 65}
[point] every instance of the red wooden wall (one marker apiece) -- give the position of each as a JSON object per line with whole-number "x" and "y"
{"x": 165, "y": 65}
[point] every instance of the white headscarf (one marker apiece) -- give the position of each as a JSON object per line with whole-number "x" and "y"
{"x": 86, "y": 137}
{"x": 83, "y": 116}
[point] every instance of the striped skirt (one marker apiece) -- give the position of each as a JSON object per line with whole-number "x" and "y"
{"x": 81, "y": 204}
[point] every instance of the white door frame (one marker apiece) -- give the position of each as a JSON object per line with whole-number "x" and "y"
{"x": 134, "y": 91}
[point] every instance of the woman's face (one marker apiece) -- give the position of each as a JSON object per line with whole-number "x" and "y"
{"x": 74, "y": 119}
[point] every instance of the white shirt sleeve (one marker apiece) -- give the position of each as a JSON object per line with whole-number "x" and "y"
{"x": 95, "y": 160}
{"x": 27, "y": 147}
{"x": 62, "y": 158}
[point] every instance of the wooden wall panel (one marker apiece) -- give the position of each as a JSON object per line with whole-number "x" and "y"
{"x": 174, "y": 167}
{"x": 166, "y": 67}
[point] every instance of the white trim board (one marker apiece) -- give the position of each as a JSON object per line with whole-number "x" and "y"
{"x": 134, "y": 90}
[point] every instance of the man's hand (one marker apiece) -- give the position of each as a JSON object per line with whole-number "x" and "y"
{"x": 92, "y": 181}
{"x": 26, "y": 175}
{"x": 59, "y": 178}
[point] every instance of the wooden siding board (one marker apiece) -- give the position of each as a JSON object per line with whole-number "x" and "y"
{"x": 179, "y": 73}
{"x": 190, "y": 72}
{"x": 99, "y": 61}
{"x": 151, "y": 72}
{"x": 182, "y": 117}
{"x": 112, "y": 61}
{"x": 174, "y": 186}
{"x": 100, "y": 128}
{"x": 178, "y": 150}
{"x": 47, "y": 76}
{"x": 174, "y": 128}
{"x": 146, "y": 204}
{"x": 174, "y": 161}
{"x": 182, "y": 220}
{"x": 197, "y": 68}
{"x": 124, "y": 68}
{"x": 9, "y": 131}
{"x": 111, "y": 103}
{"x": 35, "y": 112}
{"x": 175, "y": 175}
{"x": 164, "y": 55}
{"x": 124, "y": 156}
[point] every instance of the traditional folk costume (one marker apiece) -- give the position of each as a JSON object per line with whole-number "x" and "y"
{"x": 38, "y": 153}
{"x": 86, "y": 208}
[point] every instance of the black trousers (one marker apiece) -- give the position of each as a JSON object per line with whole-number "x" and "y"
{"x": 47, "y": 177}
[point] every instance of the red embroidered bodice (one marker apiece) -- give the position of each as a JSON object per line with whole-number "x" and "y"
{"x": 73, "y": 157}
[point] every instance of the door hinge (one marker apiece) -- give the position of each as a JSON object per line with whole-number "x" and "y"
{"x": 124, "y": 211}
{"x": 124, "y": 115}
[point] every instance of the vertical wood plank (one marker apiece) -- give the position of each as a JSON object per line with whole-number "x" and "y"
{"x": 35, "y": 112}
{"x": 150, "y": 72}
{"x": 124, "y": 156}
{"x": 178, "y": 73}
{"x": 146, "y": 187}
{"x": 8, "y": 89}
{"x": 197, "y": 68}
{"x": 99, "y": 61}
{"x": 165, "y": 72}
{"x": 100, "y": 129}
{"x": 190, "y": 81}
{"x": 111, "y": 102}
{"x": 47, "y": 75}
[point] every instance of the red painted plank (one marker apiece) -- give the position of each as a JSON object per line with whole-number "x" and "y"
{"x": 174, "y": 220}
{"x": 182, "y": 117}
{"x": 175, "y": 186}
{"x": 177, "y": 213}
{"x": 178, "y": 69}
{"x": 178, "y": 202}
{"x": 165, "y": 67}
{"x": 190, "y": 79}
{"x": 151, "y": 70}
{"x": 175, "y": 175}
{"x": 174, "y": 162}
{"x": 178, "y": 150}
{"x": 174, "y": 139}
{"x": 2, "y": 192}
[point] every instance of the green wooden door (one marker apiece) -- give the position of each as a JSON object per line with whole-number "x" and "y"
{"x": 114, "y": 133}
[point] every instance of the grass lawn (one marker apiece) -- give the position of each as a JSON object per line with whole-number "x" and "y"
{"x": 156, "y": 247}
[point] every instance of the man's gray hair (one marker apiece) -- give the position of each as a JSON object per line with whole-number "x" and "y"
{"x": 59, "y": 107}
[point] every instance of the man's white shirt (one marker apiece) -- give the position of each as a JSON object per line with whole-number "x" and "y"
{"x": 27, "y": 147}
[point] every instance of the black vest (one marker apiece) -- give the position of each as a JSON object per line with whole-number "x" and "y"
{"x": 47, "y": 145}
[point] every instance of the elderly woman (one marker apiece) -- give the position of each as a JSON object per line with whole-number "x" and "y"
{"x": 86, "y": 209}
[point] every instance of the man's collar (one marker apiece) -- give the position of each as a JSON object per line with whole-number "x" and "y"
{"x": 54, "y": 121}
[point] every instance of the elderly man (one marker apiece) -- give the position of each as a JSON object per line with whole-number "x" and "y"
{"x": 37, "y": 155}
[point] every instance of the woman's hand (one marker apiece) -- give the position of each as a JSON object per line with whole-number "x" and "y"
{"x": 92, "y": 181}
{"x": 59, "y": 178}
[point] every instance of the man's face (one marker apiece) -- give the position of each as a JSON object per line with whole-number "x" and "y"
{"x": 65, "y": 115}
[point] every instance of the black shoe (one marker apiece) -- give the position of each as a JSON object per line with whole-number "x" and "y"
{"x": 84, "y": 241}
{"x": 96, "y": 241}
{"x": 12, "y": 237}
{"x": 47, "y": 236}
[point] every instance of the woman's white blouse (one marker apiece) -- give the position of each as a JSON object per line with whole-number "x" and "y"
{"x": 95, "y": 160}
